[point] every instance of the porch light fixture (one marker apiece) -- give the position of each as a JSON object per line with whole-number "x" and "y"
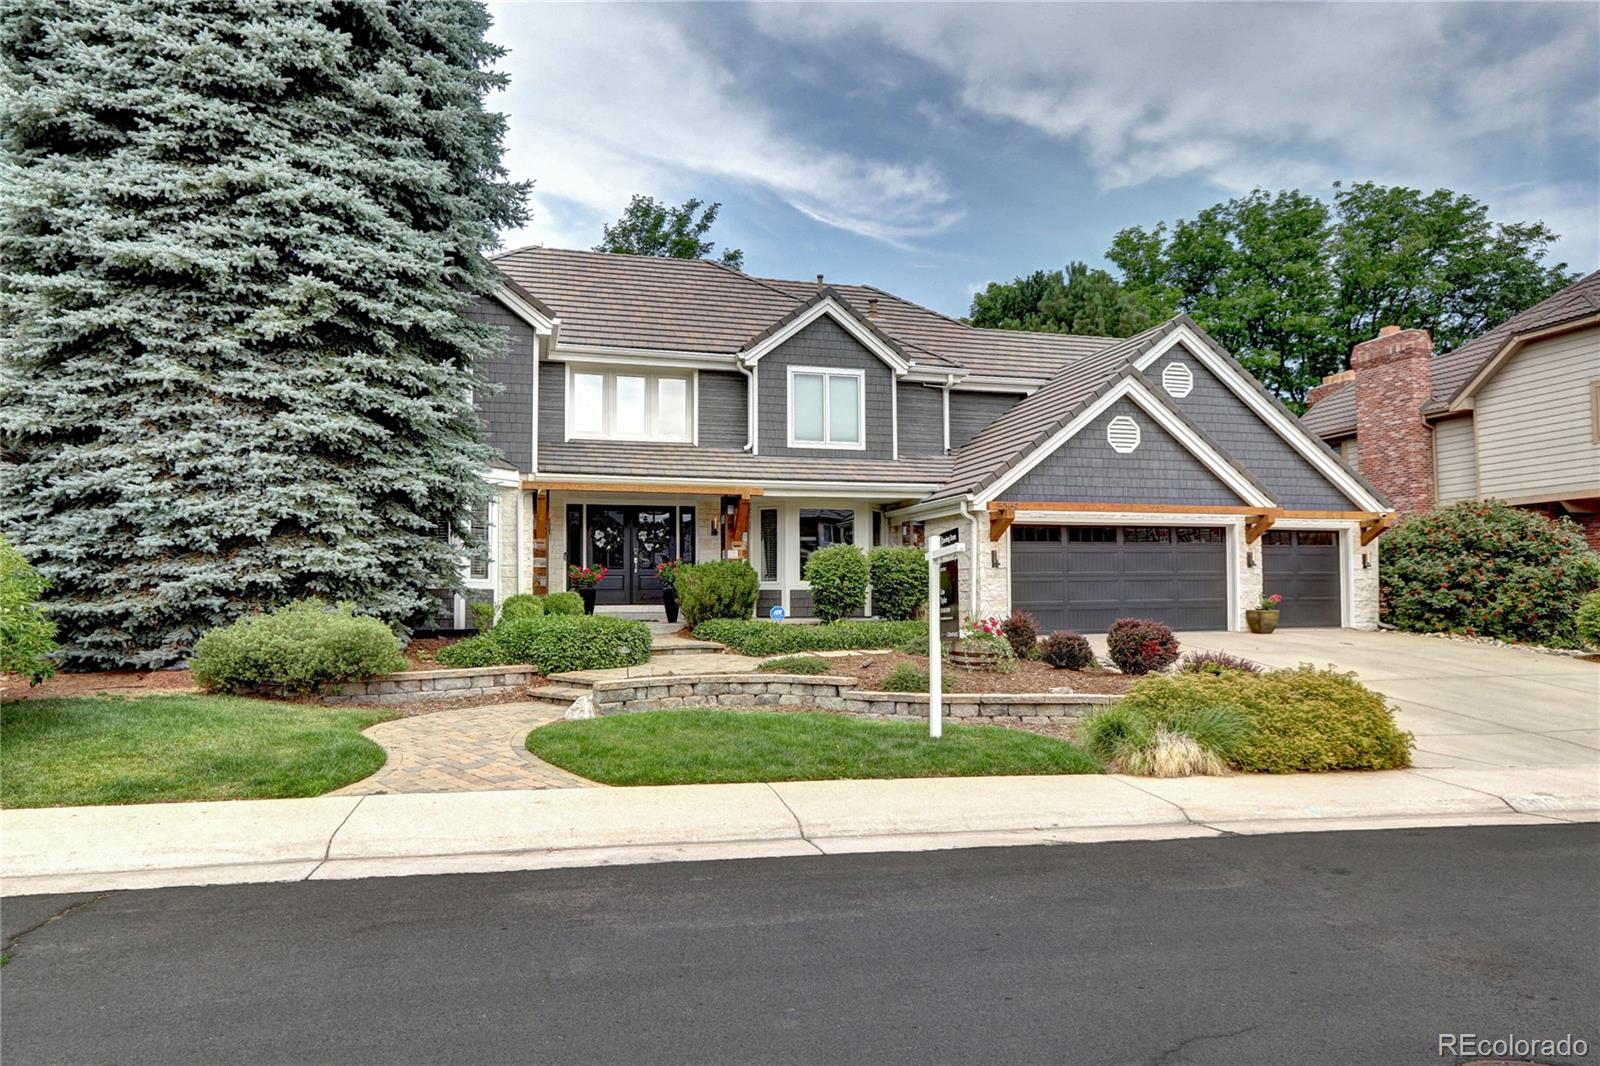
{"x": 1250, "y": 559}
{"x": 994, "y": 558}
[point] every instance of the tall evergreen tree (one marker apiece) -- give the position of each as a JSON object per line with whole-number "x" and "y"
{"x": 236, "y": 240}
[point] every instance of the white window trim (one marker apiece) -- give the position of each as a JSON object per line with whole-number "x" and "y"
{"x": 608, "y": 375}
{"x": 491, "y": 539}
{"x": 860, "y": 444}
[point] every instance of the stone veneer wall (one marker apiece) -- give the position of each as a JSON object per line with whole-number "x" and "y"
{"x": 831, "y": 694}
{"x": 412, "y": 685}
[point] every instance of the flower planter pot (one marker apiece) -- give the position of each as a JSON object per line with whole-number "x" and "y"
{"x": 973, "y": 655}
{"x": 1262, "y": 621}
{"x": 588, "y": 600}
{"x": 669, "y": 600}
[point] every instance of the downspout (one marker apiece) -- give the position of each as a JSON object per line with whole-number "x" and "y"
{"x": 972, "y": 520}
{"x": 751, "y": 445}
{"x": 949, "y": 381}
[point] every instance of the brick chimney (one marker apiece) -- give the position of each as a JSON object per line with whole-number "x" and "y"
{"x": 1393, "y": 381}
{"x": 1330, "y": 383}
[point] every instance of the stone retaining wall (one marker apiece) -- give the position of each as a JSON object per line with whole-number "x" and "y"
{"x": 391, "y": 689}
{"x": 832, "y": 694}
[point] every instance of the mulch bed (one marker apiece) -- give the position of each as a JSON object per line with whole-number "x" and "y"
{"x": 422, "y": 652}
{"x": 871, "y": 668}
{"x": 99, "y": 683}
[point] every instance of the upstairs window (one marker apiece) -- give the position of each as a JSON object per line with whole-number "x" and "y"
{"x": 825, "y": 408}
{"x": 626, "y": 405}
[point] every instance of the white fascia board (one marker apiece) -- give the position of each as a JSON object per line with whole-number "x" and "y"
{"x": 1131, "y": 388}
{"x": 979, "y": 383}
{"x": 530, "y": 314}
{"x": 1295, "y": 435}
{"x": 505, "y": 478}
{"x": 931, "y": 374}
{"x": 917, "y": 512}
{"x": 888, "y": 490}
{"x": 844, "y": 318}
{"x": 609, "y": 355}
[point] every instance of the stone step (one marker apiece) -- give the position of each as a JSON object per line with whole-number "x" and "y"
{"x": 686, "y": 647}
{"x": 566, "y": 692}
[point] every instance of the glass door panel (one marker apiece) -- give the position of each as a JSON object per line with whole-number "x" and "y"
{"x": 608, "y": 537}
{"x": 654, "y": 540}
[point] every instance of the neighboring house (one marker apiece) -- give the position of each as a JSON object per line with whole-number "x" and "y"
{"x": 1513, "y": 414}
{"x": 659, "y": 408}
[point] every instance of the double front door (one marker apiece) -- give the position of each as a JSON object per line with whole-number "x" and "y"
{"x": 629, "y": 541}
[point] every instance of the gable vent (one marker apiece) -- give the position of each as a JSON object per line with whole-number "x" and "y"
{"x": 1178, "y": 380}
{"x": 1122, "y": 433}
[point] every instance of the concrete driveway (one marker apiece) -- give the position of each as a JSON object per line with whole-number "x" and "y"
{"x": 1469, "y": 705}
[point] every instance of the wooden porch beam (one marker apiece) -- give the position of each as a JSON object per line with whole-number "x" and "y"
{"x": 741, "y": 521}
{"x": 541, "y": 514}
{"x": 1257, "y": 525}
{"x": 704, "y": 489}
{"x": 1000, "y": 519}
{"x": 1373, "y": 529}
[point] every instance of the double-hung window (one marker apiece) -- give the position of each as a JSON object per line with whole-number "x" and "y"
{"x": 826, "y": 409}
{"x": 630, "y": 405}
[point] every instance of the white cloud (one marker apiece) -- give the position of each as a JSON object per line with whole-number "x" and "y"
{"x": 607, "y": 101}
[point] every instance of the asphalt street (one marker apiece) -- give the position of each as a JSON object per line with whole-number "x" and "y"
{"x": 1316, "y": 948}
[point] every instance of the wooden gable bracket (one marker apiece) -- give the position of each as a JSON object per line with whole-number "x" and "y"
{"x": 1000, "y": 519}
{"x": 1373, "y": 528}
{"x": 1258, "y": 524}
{"x": 741, "y": 521}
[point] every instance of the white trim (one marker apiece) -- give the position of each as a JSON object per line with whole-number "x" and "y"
{"x": 652, "y": 377}
{"x": 945, "y": 405}
{"x": 541, "y": 322}
{"x": 860, "y": 443}
{"x": 509, "y": 479}
{"x": 1296, "y": 435}
{"x": 602, "y": 356}
{"x": 1158, "y": 411}
{"x": 978, "y": 383}
{"x": 882, "y": 490}
{"x": 894, "y": 417}
{"x": 852, "y": 325}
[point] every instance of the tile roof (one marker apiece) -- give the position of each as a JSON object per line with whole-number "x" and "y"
{"x": 690, "y": 305}
{"x": 1335, "y": 414}
{"x": 645, "y": 459}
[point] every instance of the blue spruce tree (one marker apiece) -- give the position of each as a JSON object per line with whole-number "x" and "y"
{"x": 236, "y": 239}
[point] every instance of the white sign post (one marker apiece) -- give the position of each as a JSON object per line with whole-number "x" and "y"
{"x": 936, "y": 555}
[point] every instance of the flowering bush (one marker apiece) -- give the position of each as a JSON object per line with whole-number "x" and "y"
{"x": 586, "y": 577}
{"x": 1140, "y": 645}
{"x": 992, "y": 625}
{"x": 667, "y": 572}
{"x": 1270, "y": 603}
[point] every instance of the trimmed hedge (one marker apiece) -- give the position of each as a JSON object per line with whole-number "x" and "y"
{"x": 521, "y": 606}
{"x": 1021, "y": 631}
{"x": 726, "y": 588}
{"x": 298, "y": 648}
{"x": 27, "y": 637}
{"x": 752, "y": 637}
{"x": 481, "y": 650}
{"x": 1588, "y": 620}
{"x": 1487, "y": 568}
{"x": 899, "y": 582}
{"x": 1140, "y": 645}
{"x": 555, "y": 644}
{"x": 563, "y": 603}
{"x": 838, "y": 577}
{"x": 1066, "y": 650}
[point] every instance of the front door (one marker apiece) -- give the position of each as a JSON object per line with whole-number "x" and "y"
{"x": 629, "y": 542}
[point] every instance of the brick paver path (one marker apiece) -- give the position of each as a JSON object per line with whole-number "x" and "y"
{"x": 474, "y": 749}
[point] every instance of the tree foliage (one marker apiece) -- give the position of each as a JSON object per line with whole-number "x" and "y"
{"x": 1290, "y": 283}
{"x": 1078, "y": 300}
{"x": 236, "y": 243}
{"x": 27, "y": 637}
{"x": 656, "y": 228}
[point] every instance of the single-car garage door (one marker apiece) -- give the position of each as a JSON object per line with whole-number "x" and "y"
{"x": 1303, "y": 566}
{"x": 1086, "y": 577}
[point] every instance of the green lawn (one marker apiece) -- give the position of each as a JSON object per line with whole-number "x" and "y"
{"x": 700, "y": 747}
{"x": 160, "y": 748}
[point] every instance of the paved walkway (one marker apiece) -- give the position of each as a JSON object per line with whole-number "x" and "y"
{"x": 474, "y": 749}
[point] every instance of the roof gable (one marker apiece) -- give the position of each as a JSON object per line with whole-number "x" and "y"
{"x": 827, "y": 304}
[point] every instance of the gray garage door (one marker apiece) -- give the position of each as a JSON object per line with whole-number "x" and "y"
{"x": 1086, "y": 577}
{"x": 1302, "y": 565}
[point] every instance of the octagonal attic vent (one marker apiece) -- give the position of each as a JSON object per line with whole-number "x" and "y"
{"x": 1178, "y": 380}
{"x": 1122, "y": 433}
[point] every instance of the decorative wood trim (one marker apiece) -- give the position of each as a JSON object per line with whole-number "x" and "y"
{"x": 1374, "y": 528}
{"x": 541, "y": 514}
{"x": 741, "y": 521}
{"x": 1257, "y": 525}
{"x": 1000, "y": 519}
{"x": 669, "y": 487}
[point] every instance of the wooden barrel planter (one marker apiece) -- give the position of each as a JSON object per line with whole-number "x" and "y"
{"x": 973, "y": 655}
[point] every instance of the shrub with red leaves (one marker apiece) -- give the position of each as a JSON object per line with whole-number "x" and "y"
{"x": 1021, "y": 629}
{"x": 1140, "y": 645}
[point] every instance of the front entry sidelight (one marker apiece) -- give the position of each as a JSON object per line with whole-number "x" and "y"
{"x": 629, "y": 542}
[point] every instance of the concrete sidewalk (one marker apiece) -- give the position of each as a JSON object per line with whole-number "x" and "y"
{"x": 103, "y": 848}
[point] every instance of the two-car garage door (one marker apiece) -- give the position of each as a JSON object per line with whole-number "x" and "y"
{"x": 1086, "y": 577}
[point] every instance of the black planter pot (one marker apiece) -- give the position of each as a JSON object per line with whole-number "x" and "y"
{"x": 669, "y": 600}
{"x": 588, "y": 600}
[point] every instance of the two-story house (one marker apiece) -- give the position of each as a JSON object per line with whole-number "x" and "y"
{"x": 658, "y": 408}
{"x": 1513, "y": 414}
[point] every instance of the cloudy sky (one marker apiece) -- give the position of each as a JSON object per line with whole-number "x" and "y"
{"x": 931, "y": 149}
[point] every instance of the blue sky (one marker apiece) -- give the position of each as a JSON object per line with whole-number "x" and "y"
{"x": 929, "y": 149}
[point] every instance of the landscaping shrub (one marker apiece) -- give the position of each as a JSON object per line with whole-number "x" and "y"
{"x": 1484, "y": 567}
{"x": 1217, "y": 662}
{"x": 1066, "y": 650}
{"x": 1021, "y": 629}
{"x": 482, "y": 650}
{"x": 521, "y": 606}
{"x": 907, "y": 678}
{"x": 795, "y": 664}
{"x": 1140, "y": 645}
{"x": 563, "y": 603}
{"x": 1164, "y": 729}
{"x": 723, "y": 589}
{"x": 838, "y": 579}
{"x": 298, "y": 648}
{"x": 751, "y": 637}
{"x": 1587, "y": 624}
{"x": 482, "y": 617}
{"x": 27, "y": 637}
{"x": 899, "y": 582}
{"x": 555, "y": 644}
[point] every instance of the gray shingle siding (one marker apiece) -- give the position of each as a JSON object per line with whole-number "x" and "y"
{"x": 1250, "y": 441}
{"x": 552, "y": 403}
{"x": 724, "y": 418}
{"x": 971, "y": 412}
{"x": 921, "y": 420}
{"x": 1086, "y": 470}
{"x": 824, "y": 343}
{"x": 507, "y": 415}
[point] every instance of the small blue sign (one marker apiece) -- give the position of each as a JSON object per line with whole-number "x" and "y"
{"x": 777, "y": 614}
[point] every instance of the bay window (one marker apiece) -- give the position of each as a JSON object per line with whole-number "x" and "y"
{"x": 826, "y": 408}
{"x": 629, "y": 405}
